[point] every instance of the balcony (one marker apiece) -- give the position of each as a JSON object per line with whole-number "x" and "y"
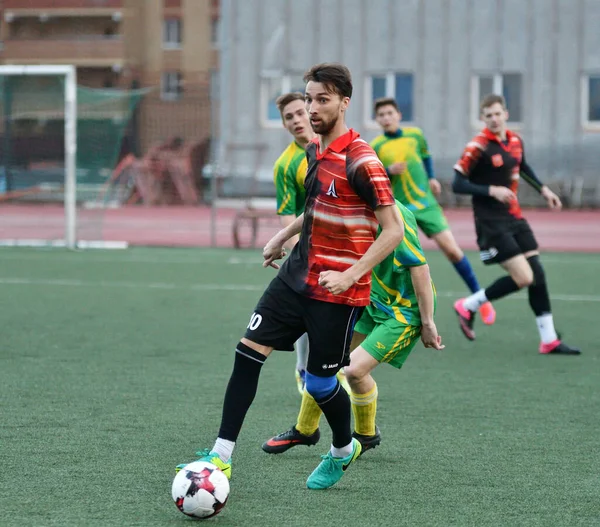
{"x": 18, "y": 8}
{"x": 101, "y": 52}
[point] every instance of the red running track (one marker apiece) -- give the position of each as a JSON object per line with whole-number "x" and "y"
{"x": 190, "y": 226}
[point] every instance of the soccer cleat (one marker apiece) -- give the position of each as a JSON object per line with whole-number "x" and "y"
{"x": 300, "y": 380}
{"x": 341, "y": 376}
{"x": 488, "y": 313}
{"x": 465, "y": 319}
{"x": 558, "y": 348}
{"x": 286, "y": 440}
{"x": 210, "y": 457}
{"x": 331, "y": 469}
{"x": 368, "y": 442}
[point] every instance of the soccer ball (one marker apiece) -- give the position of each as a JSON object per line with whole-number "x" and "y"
{"x": 200, "y": 490}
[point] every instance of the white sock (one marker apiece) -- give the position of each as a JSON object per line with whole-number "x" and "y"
{"x": 345, "y": 451}
{"x": 476, "y": 300}
{"x": 302, "y": 352}
{"x": 224, "y": 449}
{"x": 545, "y": 324}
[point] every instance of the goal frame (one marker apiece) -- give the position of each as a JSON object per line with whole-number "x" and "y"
{"x": 69, "y": 73}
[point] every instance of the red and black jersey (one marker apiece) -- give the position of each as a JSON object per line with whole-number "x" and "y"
{"x": 487, "y": 160}
{"x": 344, "y": 185}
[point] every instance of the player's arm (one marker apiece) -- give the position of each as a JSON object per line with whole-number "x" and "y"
{"x": 529, "y": 177}
{"x": 392, "y": 232}
{"x": 425, "y": 155}
{"x": 286, "y": 220}
{"x": 274, "y": 250}
{"x": 461, "y": 185}
{"x": 421, "y": 280}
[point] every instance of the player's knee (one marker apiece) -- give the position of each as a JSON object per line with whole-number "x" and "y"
{"x": 454, "y": 254}
{"x": 320, "y": 387}
{"x": 539, "y": 276}
{"x": 524, "y": 278}
{"x": 449, "y": 247}
{"x": 353, "y": 375}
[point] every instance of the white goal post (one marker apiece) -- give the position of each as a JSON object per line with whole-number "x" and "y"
{"x": 70, "y": 113}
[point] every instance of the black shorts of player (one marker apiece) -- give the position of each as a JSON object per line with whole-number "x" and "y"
{"x": 500, "y": 240}
{"x": 282, "y": 315}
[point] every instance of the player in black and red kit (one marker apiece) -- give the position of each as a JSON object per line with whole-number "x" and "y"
{"x": 489, "y": 169}
{"x": 322, "y": 288}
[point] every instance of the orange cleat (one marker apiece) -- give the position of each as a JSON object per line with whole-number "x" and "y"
{"x": 488, "y": 313}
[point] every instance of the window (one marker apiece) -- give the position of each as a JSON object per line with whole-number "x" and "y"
{"x": 271, "y": 88}
{"x": 510, "y": 85}
{"x": 397, "y": 85}
{"x": 214, "y": 31}
{"x": 590, "y": 85}
{"x": 171, "y": 86}
{"x": 171, "y": 33}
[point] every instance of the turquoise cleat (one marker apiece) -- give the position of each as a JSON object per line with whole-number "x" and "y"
{"x": 331, "y": 469}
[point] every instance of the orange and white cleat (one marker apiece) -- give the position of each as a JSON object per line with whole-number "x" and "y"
{"x": 488, "y": 313}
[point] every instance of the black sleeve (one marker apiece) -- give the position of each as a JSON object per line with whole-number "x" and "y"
{"x": 461, "y": 185}
{"x": 529, "y": 176}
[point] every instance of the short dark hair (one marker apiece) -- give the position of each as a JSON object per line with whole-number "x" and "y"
{"x": 285, "y": 99}
{"x": 385, "y": 101}
{"x": 490, "y": 100}
{"x": 335, "y": 77}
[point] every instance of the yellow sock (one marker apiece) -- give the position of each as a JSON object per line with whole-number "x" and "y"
{"x": 364, "y": 408}
{"x": 341, "y": 376}
{"x": 309, "y": 415}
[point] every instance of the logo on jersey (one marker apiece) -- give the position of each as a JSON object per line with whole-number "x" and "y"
{"x": 497, "y": 160}
{"x": 380, "y": 346}
{"x": 332, "y": 192}
{"x": 330, "y": 366}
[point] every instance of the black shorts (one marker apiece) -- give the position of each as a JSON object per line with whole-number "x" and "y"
{"x": 282, "y": 315}
{"x": 500, "y": 240}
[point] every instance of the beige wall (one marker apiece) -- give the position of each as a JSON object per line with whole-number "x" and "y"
{"x": 190, "y": 116}
{"x": 196, "y": 35}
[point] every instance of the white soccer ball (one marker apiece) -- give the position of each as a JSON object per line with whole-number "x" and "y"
{"x": 200, "y": 490}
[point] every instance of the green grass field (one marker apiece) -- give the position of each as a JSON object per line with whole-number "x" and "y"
{"x": 113, "y": 367}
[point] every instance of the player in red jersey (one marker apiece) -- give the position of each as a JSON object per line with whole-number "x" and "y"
{"x": 489, "y": 169}
{"x": 325, "y": 283}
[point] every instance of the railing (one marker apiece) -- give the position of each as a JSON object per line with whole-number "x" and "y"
{"x": 108, "y": 50}
{"x": 61, "y": 4}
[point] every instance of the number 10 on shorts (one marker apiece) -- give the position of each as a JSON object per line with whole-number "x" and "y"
{"x": 255, "y": 321}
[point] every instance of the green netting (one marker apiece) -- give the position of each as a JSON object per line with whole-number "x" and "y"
{"x": 32, "y": 127}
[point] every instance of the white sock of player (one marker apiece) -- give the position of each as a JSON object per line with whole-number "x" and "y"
{"x": 345, "y": 451}
{"x": 224, "y": 449}
{"x": 476, "y": 300}
{"x": 545, "y": 324}
{"x": 302, "y": 352}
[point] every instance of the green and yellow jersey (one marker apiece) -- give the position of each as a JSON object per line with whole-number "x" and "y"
{"x": 289, "y": 173}
{"x": 392, "y": 290}
{"x": 407, "y": 145}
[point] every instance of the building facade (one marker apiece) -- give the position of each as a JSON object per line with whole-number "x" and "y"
{"x": 437, "y": 57}
{"x": 167, "y": 46}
